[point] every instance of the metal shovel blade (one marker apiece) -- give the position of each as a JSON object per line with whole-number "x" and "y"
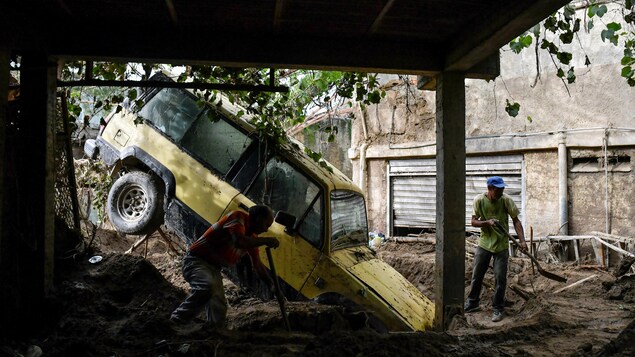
{"x": 542, "y": 272}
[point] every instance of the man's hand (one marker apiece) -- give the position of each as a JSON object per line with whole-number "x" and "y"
{"x": 272, "y": 242}
{"x": 523, "y": 246}
{"x": 491, "y": 222}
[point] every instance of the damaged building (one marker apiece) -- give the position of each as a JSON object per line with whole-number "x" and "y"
{"x": 567, "y": 155}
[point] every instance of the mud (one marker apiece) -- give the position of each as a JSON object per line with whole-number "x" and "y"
{"x": 120, "y": 307}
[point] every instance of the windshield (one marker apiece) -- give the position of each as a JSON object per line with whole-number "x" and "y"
{"x": 349, "y": 226}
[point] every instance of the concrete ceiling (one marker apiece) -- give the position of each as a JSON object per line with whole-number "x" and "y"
{"x": 391, "y": 36}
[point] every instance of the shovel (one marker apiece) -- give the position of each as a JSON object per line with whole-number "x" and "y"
{"x": 278, "y": 292}
{"x": 542, "y": 272}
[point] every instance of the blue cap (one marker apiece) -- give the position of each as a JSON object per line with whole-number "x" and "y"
{"x": 496, "y": 181}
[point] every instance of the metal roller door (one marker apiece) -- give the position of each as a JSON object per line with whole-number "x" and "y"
{"x": 412, "y": 186}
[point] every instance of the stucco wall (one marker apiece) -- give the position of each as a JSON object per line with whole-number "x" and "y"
{"x": 541, "y": 197}
{"x": 335, "y": 152}
{"x": 588, "y": 197}
{"x": 376, "y": 198}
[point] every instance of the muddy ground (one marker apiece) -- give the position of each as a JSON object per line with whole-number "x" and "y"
{"x": 120, "y": 307}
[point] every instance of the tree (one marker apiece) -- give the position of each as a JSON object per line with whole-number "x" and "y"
{"x": 312, "y": 94}
{"x": 557, "y": 32}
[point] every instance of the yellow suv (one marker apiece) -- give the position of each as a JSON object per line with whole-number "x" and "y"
{"x": 186, "y": 166}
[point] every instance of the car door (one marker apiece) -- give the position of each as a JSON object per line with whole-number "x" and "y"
{"x": 283, "y": 186}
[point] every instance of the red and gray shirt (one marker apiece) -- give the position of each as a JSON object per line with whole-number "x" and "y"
{"x": 217, "y": 245}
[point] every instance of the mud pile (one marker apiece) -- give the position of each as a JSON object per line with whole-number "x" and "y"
{"x": 120, "y": 307}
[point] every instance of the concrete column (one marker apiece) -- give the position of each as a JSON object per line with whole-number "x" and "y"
{"x": 4, "y": 93}
{"x": 562, "y": 186}
{"x": 450, "y": 220}
{"x": 33, "y": 178}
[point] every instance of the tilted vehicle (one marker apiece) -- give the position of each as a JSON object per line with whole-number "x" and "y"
{"x": 185, "y": 165}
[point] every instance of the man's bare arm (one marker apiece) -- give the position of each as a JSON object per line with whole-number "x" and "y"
{"x": 246, "y": 242}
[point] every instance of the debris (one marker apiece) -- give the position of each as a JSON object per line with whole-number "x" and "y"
{"x": 520, "y": 292}
{"x": 95, "y": 259}
{"x": 617, "y": 249}
{"x": 623, "y": 266}
{"x": 414, "y": 240}
{"x": 375, "y": 239}
{"x": 575, "y": 284}
{"x": 137, "y": 243}
{"x": 542, "y": 272}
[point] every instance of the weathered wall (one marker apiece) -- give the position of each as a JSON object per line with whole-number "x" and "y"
{"x": 541, "y": 198}
{"x": 316, "y": 139}
{"x": 588, "y": 196}
{"x": 403, "y": 126}
{"x": 377, "y": 195}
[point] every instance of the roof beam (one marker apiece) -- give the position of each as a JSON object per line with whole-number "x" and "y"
{"x": 236, "y": 50}
{"x": 380, "y": 17}
{"x": 486, "y": 35}
{"x": 277, "y": 15}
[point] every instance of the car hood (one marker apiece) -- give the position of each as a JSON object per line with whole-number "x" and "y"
{"x": 397, "y": 291}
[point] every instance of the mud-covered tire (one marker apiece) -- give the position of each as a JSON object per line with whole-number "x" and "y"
{"x": 135, "y": 203}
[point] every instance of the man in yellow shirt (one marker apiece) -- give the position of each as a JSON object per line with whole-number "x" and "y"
{"x": 489, "y": 208}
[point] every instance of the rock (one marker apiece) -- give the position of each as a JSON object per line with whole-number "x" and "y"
{"x": 616, "y": 293}
{"x": 586, "y": 347}
{"x": 33, "y": 351}
{"x": 624, "y": 266}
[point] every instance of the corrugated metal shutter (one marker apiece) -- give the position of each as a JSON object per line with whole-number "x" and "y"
{"x": 413, "y": 187}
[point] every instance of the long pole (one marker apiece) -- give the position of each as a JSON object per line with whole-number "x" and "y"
{"x": 278, "y": 292}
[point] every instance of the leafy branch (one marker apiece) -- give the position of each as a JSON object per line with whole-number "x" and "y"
{"x": 564, "y": 25}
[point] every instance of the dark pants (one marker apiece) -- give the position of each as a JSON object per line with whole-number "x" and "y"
{"x": 482, "y": 258}
{"x": 207, "y": 291}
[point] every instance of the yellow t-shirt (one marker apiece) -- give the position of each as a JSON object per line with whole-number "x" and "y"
{"x": 491, "y": 239}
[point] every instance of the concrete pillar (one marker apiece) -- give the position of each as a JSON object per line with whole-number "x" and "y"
{"x": 4, "y": 93}
{"x": 33, "y": 179}
{"x": 562, "y": 185}
{"x": 450, "y": 210}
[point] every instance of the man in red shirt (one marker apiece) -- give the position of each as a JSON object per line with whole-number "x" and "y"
{"x": 222, "y": 245}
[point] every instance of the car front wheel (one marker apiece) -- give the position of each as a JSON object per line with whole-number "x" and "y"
{"x": 135, "y": 203}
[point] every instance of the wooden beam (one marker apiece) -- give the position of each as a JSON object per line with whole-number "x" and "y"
{"x": 617, "y": 249}
{"x": 575, "y": 284}
{"x": 614, "y": 238}
{"x": 161, "y": 84}
{"x": 487, "y": 34}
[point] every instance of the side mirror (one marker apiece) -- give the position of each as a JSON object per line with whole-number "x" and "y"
{"x": 286, "y": 219}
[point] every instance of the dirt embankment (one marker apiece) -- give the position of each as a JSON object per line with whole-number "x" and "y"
{"x": 120, "y": 307}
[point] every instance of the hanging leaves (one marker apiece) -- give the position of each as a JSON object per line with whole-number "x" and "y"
{"x": 520, "y": 43}
{"x": 512, "y": 109}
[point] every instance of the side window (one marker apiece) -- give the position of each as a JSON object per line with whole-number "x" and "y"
{"x": 213, "y": 140}
{"x": 311, "y": 226}
{"x": 246, "y": 170}
{"x": 283, "y": 188}
{"x": 172, "y": 111}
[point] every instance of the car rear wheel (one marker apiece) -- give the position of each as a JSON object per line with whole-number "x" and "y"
{"x": 135, "y": 203}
